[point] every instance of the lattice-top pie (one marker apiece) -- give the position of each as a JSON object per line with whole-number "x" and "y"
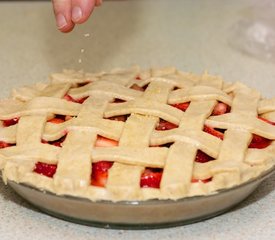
{"x": 136, "y": 135}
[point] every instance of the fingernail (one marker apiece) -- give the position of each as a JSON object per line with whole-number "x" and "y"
{"x": 61, "y": 21}
{"x": 76, "y": 14}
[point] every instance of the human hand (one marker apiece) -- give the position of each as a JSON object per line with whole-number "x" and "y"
{"x": 71, "y": 12}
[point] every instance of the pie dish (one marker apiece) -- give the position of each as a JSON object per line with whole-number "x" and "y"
{"x": 136, "y": 135}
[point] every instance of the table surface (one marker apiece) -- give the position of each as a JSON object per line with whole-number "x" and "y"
{"x": 191, "y": 35}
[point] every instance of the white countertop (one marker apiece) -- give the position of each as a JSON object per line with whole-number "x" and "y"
{"x": 191, "y": 35}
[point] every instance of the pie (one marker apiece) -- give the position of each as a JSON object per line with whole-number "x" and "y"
{"x": 132, "y": 134}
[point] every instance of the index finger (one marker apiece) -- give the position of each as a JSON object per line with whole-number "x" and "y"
{"x": 63, "y": 15}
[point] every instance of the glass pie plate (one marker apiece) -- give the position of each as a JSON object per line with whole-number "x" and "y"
{"x": 138, "y": 214}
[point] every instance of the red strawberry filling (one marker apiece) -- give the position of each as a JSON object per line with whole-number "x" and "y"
{"x": 202, "y": 157}
{"x": 201, "y": 180}
{"x": 57, "y": 143}
{"x": 213, "y": 132}
{"x": 58, "y": 119}
{"x": 256, "y": 142}
{"x": 45, "y": 169}
{"x": 4, "y": 144}
{"x": 259, "y": 142}
{"x": 105, "y": 142}
{"x": 151, "y": 178}
{"x": 220, "y": 108}
{"x": 117, "y": 100}
{"x": 266, "y": 120}
{"x": 100, "y": 173}
{"x": 83, "y": 84}
{"x": 164, "y": 125}
{"x": 181, "y": 106}
{"x": 138, "y": 88}
{"x": 71, "y": 99}
{"x": 10, "y": 122}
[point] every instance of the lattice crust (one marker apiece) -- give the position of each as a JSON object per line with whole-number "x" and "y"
{"x": 140, "y": 144}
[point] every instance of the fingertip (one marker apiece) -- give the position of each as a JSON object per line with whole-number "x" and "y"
{"x": 67, "y": 28}
{"x": 77, "y": 14}
{"x": 81, "y": 10}
{"x": 63, "y": 24}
